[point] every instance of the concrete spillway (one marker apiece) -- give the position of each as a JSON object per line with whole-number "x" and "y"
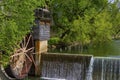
{"x": 79, "y": 67}
{"x": 68, "y": 67}
{"x": 75, "y": 67}
{"x": 106, "y": 68}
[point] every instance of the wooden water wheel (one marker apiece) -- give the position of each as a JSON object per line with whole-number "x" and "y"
{"x": 22, "y": 58}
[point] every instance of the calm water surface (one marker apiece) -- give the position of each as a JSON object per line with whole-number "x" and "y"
{"x": 107, "y": 49}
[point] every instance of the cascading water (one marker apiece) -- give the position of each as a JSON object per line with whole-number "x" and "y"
{"x": 67, "y": 67}
{"x": 106, "y": 68}
{"x": 79, "y": 67}
{"x": 90, "y": 70}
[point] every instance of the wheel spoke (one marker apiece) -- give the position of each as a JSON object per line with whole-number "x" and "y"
{"x": 24, "y": 42}
{"x": 28, "y": 57}
{"x": 30, "y": 49}
{"x": 34, "y": 62}
{"x": 28, "y": 41}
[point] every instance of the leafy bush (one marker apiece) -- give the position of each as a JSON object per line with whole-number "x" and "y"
{"x": 16, "y": 19}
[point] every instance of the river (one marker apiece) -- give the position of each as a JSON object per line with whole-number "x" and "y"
{"x": 111, "y": 48}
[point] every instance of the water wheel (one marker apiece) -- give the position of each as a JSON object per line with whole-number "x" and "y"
{"x": 22, "y": 58}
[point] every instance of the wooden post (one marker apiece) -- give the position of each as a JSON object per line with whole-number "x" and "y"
{"x": 41, "y": 34}
{"x": 40, "y": 47}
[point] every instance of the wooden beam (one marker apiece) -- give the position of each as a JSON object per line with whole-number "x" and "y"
{"x": 40, "y": 47}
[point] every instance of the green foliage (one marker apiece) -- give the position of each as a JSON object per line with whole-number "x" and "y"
{"x": 8, "y": 36}
{"x": 16, "y": 20}
{"x": 85, "y": 21}
{"x": 115, "y": 18}
{"x": 74, "y": 21}
{"x": 54, "y": 41}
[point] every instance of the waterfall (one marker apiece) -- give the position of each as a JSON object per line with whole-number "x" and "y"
{"x": 66, "y": 67}
{"x": 106, "y": 68}
{"x": 90, "y": 70}
{"x": 79, "y": 67}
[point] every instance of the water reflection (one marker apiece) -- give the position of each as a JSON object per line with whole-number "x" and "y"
{"x": 107, "y": 49}
{"x": 111, "y": 48}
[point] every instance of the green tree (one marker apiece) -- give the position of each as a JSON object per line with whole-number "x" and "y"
{"x": 16, "y": 20}
{"x": 115, "y": 17}
{"x": 84, "y": 21}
